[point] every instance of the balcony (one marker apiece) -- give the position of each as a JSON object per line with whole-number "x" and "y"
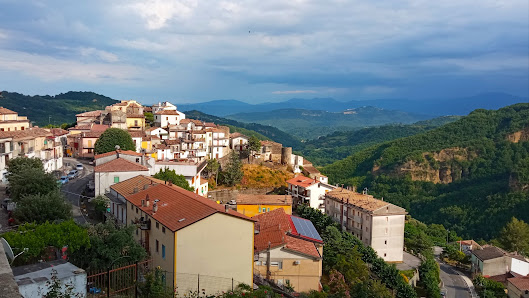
{"x": 145, "y": 225}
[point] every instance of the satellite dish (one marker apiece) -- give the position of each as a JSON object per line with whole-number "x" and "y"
{"x": 117, "y": 147}
{"x": 8, "y": 250}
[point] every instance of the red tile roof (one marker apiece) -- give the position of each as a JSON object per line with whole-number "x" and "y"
{"x": 120, "y": 165}
{"x": 92, "y": 134}
{"x": 167, "y": 112}
{"x": 124, "y": 152}
{"x": 179, "y": 208}
{"x": 58, "y": 131}
{"x": 99, "y": 127}
{"x": 521, "y": 283}
{"x": 90, "y": 114}
{"x": 276, "y": 228}
{"x": 136, "y": 133}
{"x": 4, "y": 111}
{"x": 302, "y": 181}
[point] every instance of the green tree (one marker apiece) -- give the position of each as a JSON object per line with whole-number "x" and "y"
{"x": 515, "y": 236}
{"x": 41, "y": 208}
{"x": 154, "y": 286}
{"x": 173, "y": 177}
{"x": 212, "y": 168}
{"x": 429, "y": 277}
{"x": 30, "y": 181}
{"x": 232, "y": 173}
{"x": 57, "y": 290}
{"x": 21, "y": 164}
{"x": 149, "y": 118}
{"x": 488, "y": 288}
{"x": 108, "y": 242}
{"x": 110, "y": 138}
{"x": 38, "y": 237}
{"x": 101, "y": 204}
{"x": 254, "y": 145}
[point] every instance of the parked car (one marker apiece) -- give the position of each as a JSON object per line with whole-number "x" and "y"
{"x": 63, "y": 179}
{"x": 73, "y": 174}
{"x": 79, "y": 166}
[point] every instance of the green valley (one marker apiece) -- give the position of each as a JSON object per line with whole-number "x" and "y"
{"x": 469, "y": 175}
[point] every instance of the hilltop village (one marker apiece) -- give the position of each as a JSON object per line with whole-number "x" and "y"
{"x": 196, "y": 238}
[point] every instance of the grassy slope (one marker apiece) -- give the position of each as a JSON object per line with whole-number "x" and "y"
{"x": 480, "y": 202}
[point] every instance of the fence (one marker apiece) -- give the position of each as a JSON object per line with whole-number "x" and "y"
{"x": 120, "y": 281}
{"x": 203, "y": 284}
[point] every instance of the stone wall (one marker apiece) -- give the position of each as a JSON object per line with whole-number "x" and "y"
{"x": 225, "y": 195}
{"x": 8, "y": 286}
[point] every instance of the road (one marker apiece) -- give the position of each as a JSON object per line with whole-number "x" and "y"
{"x": 455, "y": 284}
{"x": 75, "y": 187}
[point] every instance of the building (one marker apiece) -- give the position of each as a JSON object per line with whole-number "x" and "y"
{"x": 238, "y": 141}
{"x": 11, "y": 121}
{"x": 271, "y": 151}
{"x": 163, "y": 106}
{"x": 489, "y": 261}
{"x": 467, "y": 246}
{"x": 131, "y": 156}
{"x": 218, "y": 141}
{"x": 188, "y": 235}
{"x": 518, "y": 287}
{"x": 127, "y": 114}
{"x": 89, "y": 117}
{"x": 191, "y": 170}
{"x": 309, "y": 191}
{"x": 114, "y": 171}
{"x": 6, "y": 143}
{"x": 251, "y": 205}
{"x": 296, "y": 250}
{"x": 164, "y": 118}
{"x": 375, "y": 222}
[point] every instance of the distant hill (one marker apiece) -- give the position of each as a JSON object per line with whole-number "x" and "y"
{"x": 470, "y": 175}
{"x": 259, "y": 130}
{"x": 433, "y": 107}
{"x": 57, "y": 109}
{"x": 310, "y": 124}
{"x": 340, "y": 144}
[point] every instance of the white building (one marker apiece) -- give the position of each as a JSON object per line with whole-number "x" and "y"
{"x": 218, "y": 142}
{"x": 162, "y": 106}
{"x": 189, "y": 169}
{"x": 376, "y": 223}
{"x": 238, "y": 141}
{"x": 308, "y": 191}
{"x": 115, "y": 171}
{"x": 5, "y": 156}
{"x": 158, "y": 131}
{"x": 168, "y": 117}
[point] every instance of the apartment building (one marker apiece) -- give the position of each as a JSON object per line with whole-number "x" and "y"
{"x": 114, "y": 171}
{"x": 11, "y": 121}
{"x": 296, "y": 250}
{"x": 375, "y": 222}
{"x": 6, "y": 143}
{"x": 308, "y": 191}
{"x": 187, "y": 235}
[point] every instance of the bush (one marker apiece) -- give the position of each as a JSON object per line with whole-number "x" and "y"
{"x": 41, "y": 208}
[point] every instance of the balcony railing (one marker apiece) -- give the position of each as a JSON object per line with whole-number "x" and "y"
{"x": 145, "y": 224}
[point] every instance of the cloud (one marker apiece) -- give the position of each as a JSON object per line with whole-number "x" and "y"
{"x": 294, "y": 92}
{"x": 157, "y": 13}
{"x": 103, "y": 55}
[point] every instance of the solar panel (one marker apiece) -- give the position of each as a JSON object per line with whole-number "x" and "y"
{"x": 305, "y": 228}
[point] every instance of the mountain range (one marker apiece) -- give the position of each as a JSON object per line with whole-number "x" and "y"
{"x": 432, "y": 107}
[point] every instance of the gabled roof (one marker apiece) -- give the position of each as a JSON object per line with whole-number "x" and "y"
{"x": 120, "y": 165}
{"x": 276, "y": 228}
{"x": 302, "y": 181}
{"x": 124, "y": 152}
{"x": 520, "y": 282}
{"x": 32, "y": 132}
{"x": 488, "y": 253}
{"x": 167, "y": 112}
{"x": 96, "y": 113}
{"x": 178, "y": 208}
{"x": 4, "y": 111}
{"x": 92, "y": 134}
{"x": 135, "y": 184}
{"x": 245, "y": 199}
{"x": 58, "y": 132}
{"x": 237, "y": 135}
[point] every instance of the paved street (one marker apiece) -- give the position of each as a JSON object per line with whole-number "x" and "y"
{"x": 455, "y": 284}
{"x": 75, "y": 187}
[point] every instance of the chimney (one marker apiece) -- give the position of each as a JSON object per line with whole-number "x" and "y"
{"x": 354, "y": 188}
{"x": 154, "y": 207}
{"x": 382, "y": 199}
{"x": 143, "y": 203}
{"x": 147, "y": 201}
{"x": 226, "y": 208}
{"x": 170, "y": 183}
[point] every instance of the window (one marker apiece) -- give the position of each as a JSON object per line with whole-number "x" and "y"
{"x": 116, "y": 179}
{"x": 385, "y": 242}
{"x": 135, "y": 122}
{"x": 157, "y": 225}
{"x": 157, "y": 246}
{"x": 279, "y": 265}
{"x": 384, "y": 255}
{"x": 136, "y": 210}
{"x": 131, "y": 207}
{"x": 387, "y": 219}
{"x": 22, "y": 128}
{"x": 163, "y": 251}
{"x": 163, "y": 230}
{"x": 386, "y": 231}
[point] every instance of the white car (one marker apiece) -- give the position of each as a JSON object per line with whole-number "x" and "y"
{"x": 79, "y": 167}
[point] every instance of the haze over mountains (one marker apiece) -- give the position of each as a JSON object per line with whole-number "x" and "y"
{"x": 432, "y": 107}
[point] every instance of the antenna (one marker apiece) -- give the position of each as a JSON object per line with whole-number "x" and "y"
{"x": 9, "y": 251}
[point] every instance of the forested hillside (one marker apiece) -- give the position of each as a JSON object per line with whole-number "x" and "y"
{"x": 57, "y": 109}
{"x": 471, "y": 175}
{"x": 310, "y": 124}
{"x": 340, "y": 144}
{"x": 249, "y": 129}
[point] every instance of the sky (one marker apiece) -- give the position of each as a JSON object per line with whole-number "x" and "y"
{"x": 259, "y": 51}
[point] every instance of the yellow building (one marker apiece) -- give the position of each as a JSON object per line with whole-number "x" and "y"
{"x": 251, "y": 205}
{"x": 10, "y": 121}
{"x": 187, "y": 235}
{"x": 296, "y": 250}
{"x": 133, "y": 112}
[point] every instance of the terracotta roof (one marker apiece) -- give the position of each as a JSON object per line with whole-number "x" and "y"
{"x": 311, "y": 170}
{"x": 96, "y": 113}
{"x": 488, "y": 253}
{"x": 92, "y": 134}
{"x": 470, "y": 243}
{"x": 264, "y": 199}
{"x": 269, "y": 143}
{"x": 136, "y": 133}
{"x": 275, "y": 227}
{"x": 366, "y": 202}
{"x": 237, "y": 135}
{"x": 302, "y": 181}
{"x": 27, "y": 133}
{"x": 127, "y": 187}
{"x": 160, "y": 146}
{"x": 167, "y": 112}
{"x": 197, "y": 122}
{"x": 98, "y": 127}
{"x": 179, "y": 208}
{"x": 521, "y": 282}
{"x": 210, "y": 124}
{"x": 147, "y": 109}
{"x": 4, "y": 111}
{"x": 120, "y": 165}
{"x": 81, "y": 127}
{"x": 172, "y": 142}
{"x": 185, "y": 121}
{"x": 124, "y": 152}
{"x": 58, "y": 132}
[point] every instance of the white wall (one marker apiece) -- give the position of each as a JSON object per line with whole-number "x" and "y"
{"x": 39, "y": 289}
{"x": 387, "y": 237}
{"x": 103, "y": 180}
{"x": 519, "y": 266}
